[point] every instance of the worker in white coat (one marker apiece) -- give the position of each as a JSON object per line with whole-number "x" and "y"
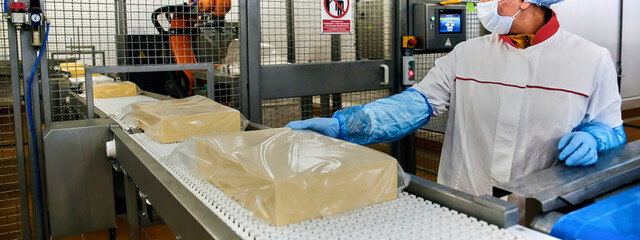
{"x": 519, "y": 100}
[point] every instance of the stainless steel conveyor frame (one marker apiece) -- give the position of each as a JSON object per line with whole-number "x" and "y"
{"x": 190, "y": 218}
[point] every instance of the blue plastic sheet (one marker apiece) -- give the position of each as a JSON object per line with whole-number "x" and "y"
{"x": 385, "y": 120}
{"x": 617, "y": 217}
{"x": 606, "y": 136}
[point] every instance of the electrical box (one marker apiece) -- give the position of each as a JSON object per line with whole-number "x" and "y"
{"x": 439, "y": 27}
{"x": 408, "y": 70}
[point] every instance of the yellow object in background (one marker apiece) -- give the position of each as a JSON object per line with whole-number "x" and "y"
{"x": 76, "y": 69}
{"x": 450, "y": 2}
{"x": 114, "y": 89}
{"x": 287, "y": 176}
{"x": 175, "y": 120}
{"x": 409, "y": 42}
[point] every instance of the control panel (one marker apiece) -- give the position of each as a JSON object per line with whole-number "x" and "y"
{"x": 439, "y": 27}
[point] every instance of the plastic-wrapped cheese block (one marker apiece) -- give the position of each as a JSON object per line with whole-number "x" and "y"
{"x": 287, "y": 176}
{"x": 114, "y": 89}
{"x": 175, "y": 120}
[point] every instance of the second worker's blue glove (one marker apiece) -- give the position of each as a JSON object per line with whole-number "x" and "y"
{"x": 578, "y": 149}
{"x": 325, "y": 126}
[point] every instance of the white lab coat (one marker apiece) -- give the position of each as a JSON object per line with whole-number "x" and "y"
{"x": 509, "y": 107}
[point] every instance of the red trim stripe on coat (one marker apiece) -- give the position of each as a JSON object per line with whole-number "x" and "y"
{"x": 523, "y": 87}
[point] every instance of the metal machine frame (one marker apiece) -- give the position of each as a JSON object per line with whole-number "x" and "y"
{"x": 17, "y": 119}
{"x": 545, "y": 192}
{"x": 190, "y": 219}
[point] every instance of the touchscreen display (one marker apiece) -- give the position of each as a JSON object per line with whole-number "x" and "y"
{"x": 450, "y": 23}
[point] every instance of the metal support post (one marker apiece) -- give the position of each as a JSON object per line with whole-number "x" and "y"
{"x": 251, "y": 45}
{"x": 404, "y": 149}
{"x": 46, "y": 88}
{"x": 112, "y": 234}
{"x": 17, "y": 121}
{"x": 291, "y": 32}
{"x": 325, "y": 105}
{"x": 306, "y": 107}
{"x": 306, "y": 102}
{"x": 29, "y": 55}
{"x": 121, "y": 30}
{"x": 244, "y": 59}
{"x": 336, "y": 56}
{"x": 131, "y": 196}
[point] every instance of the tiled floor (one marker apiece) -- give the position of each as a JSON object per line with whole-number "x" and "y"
{"x": 157, "y": 232}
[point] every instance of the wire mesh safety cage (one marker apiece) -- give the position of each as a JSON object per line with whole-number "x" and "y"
{"x": 279, "y": 112}
{"x": 10, "y": 211}
{"x": 429, "y": 139}
{"x": 292, "y": 32}
{"x": 143, "y": 32}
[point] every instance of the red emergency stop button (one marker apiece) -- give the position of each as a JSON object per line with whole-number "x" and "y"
{"x": 412, "y": 42}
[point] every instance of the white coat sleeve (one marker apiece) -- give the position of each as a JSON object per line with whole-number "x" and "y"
{"x": 604, "y": 102}
{"x": 438, "y": 83}
{"x": 603, "y": 119}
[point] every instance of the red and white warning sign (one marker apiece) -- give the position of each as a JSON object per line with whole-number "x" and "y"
{"x": 336, "y": 16}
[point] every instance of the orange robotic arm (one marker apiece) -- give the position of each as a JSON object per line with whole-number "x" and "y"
{"x": 219, "y": 8}
{"x": 181, "y": 44}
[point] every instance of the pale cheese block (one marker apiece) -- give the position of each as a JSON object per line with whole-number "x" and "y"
{"x": 114, "y": 89}
{"x": 176, "y": 120}
{"x": 287, "y": 176}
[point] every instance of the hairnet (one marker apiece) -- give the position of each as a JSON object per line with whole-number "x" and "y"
{"x": 544, "y": 3}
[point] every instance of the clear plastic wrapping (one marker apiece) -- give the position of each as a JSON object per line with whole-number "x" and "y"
{"x": 287, "y": 176}
{"x": 114, "y": 89}
{"x": 175, "y": 120}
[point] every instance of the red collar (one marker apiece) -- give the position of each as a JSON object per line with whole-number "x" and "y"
{"x": 543, "y": 34}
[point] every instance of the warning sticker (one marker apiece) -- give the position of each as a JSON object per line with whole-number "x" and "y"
{"x": 336, "y": 16}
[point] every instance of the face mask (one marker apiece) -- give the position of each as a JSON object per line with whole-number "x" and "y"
{"x": 491, "y": 20}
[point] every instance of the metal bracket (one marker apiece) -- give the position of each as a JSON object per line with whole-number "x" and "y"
{"x": 487, "y": 208}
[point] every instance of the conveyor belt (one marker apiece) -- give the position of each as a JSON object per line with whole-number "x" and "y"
{"x": 408, "y": 217}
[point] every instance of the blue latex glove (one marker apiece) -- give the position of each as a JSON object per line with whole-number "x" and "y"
{"x": 578, "y": 149}
{"x": 606, "y": 136}
{"x": 325, "y": 126}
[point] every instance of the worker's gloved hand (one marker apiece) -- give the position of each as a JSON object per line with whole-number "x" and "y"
{"x": 325, "y": 126}
{"x": 578, "y": 149}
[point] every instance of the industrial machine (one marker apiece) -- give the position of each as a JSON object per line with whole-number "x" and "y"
{"x": 439, "y": 26}
{"x": 189, "y": 33}
{"x": 195, "y": 209}
{"x": 434, "y": 27}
